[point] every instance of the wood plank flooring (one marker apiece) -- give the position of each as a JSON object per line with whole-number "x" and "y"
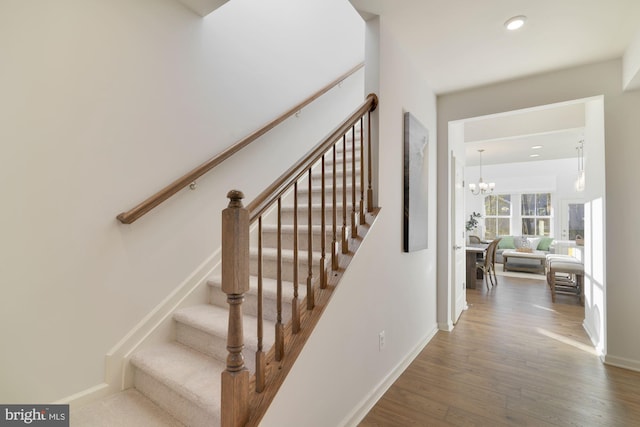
{"x": 513, "y": 359}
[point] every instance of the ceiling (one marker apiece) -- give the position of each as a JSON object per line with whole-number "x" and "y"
{"x": 463, "y": 43}
{"x": 460, "y": 44}
{"x": 536, "y": 134}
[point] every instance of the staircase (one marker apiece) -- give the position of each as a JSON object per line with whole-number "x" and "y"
{"x": 179, "y": 382}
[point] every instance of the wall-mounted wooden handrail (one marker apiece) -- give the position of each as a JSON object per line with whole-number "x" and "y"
{"x": 142, "y": 208}
{"x": 275, "y": 190}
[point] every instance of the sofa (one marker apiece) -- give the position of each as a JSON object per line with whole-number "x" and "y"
{"x": 539, "y": 243}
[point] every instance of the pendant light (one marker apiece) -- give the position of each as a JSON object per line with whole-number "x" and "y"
{"x": 481, "y": 187}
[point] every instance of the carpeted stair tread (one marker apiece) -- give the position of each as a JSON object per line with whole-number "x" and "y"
{"x": 302, "y": 208}
{"x": 289, "y": 228}
{"x": 341, "y": 165}
{"x": 314, "y": 206}
{"x": 269, "y": 287}
{"x": 206, "y": 317}
{"x": 129, "y": 408}
{"x": 214, "y": 321}
{"x": 287, "y": 254}
{"x": 187, "y": 372}
{"x": 317, "y": 189}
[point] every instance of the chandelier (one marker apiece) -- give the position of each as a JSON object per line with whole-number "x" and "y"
{"x": 481, "y": 187}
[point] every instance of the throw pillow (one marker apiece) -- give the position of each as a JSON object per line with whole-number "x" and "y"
{"x": 506, "y": 243}
{"x": 534, "y": 242}
{"x": 519, "y": 241}
{"x": 545, "y": 243}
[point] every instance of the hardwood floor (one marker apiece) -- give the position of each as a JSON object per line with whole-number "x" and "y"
{"x": 514, "y": 358}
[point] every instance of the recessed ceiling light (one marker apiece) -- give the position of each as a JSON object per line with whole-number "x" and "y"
{"x": 534, "y": 155}
{"x": 536, "y": 147}
{"x": 515, "y": 22}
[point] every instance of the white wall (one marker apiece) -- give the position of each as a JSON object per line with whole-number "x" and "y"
{"x": 621, "y": 129}
{"x": 105, "y": 102}
{"x": 631, "y": 65}
{"x": 596, "y": 251}
{"x": 551, "y": 176}
{"x": 340, "y": 372}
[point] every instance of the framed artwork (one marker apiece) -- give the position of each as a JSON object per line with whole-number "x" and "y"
{"x": 416, "y": 143}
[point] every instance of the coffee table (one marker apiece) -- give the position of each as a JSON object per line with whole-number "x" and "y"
{"x": 535, "y": 261}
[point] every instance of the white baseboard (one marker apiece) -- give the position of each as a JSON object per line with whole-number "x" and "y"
{"x": 447, "y": 327}
{"x": 361, "y": 410}
{"x": 86, "y": 396}
{"x": 593, "y": 337}
{"x": 608, "y": 359}
{"x": 621, "y": 362}
{"x": 587, "y": 329}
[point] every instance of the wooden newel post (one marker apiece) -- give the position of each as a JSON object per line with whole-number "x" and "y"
{"x": 235, "y": 283}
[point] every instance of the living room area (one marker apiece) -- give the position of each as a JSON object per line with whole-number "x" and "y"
{"x": 531, "y": 166}
{"x": 535, "y": 208}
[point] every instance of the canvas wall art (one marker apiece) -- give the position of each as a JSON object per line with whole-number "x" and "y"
{"x": 416, "y": 142}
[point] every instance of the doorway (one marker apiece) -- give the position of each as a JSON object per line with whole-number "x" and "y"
{"x": 592, "y": 204}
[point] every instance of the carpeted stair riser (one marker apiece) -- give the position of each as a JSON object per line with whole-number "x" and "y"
{"x": 316, "y": 189}
{"x": 182, "y": 381}
{"x": 340, "y": 153}
{"x": 270, "y": 265}
{"x": 178, "y": 406}
{"x": 269, "y": 293}
{"x": 204, "y": 328}
{"x": 316, "y": 210}
{"x": 316, "y": 195}
{"x": 349, "y": 137}
{"x": 316, "y": 174}
{"x": 211, "y": 345}
{"x": 270, "y": 237}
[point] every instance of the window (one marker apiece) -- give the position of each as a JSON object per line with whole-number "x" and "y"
{"x": 497, "y": 216}
{"x": 576, "y": 220}
{"x": 536, "y": 214}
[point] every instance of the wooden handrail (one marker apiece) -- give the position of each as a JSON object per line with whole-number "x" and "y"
{"x": 275, "y": 190}
{"x": 147, "y": 205}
